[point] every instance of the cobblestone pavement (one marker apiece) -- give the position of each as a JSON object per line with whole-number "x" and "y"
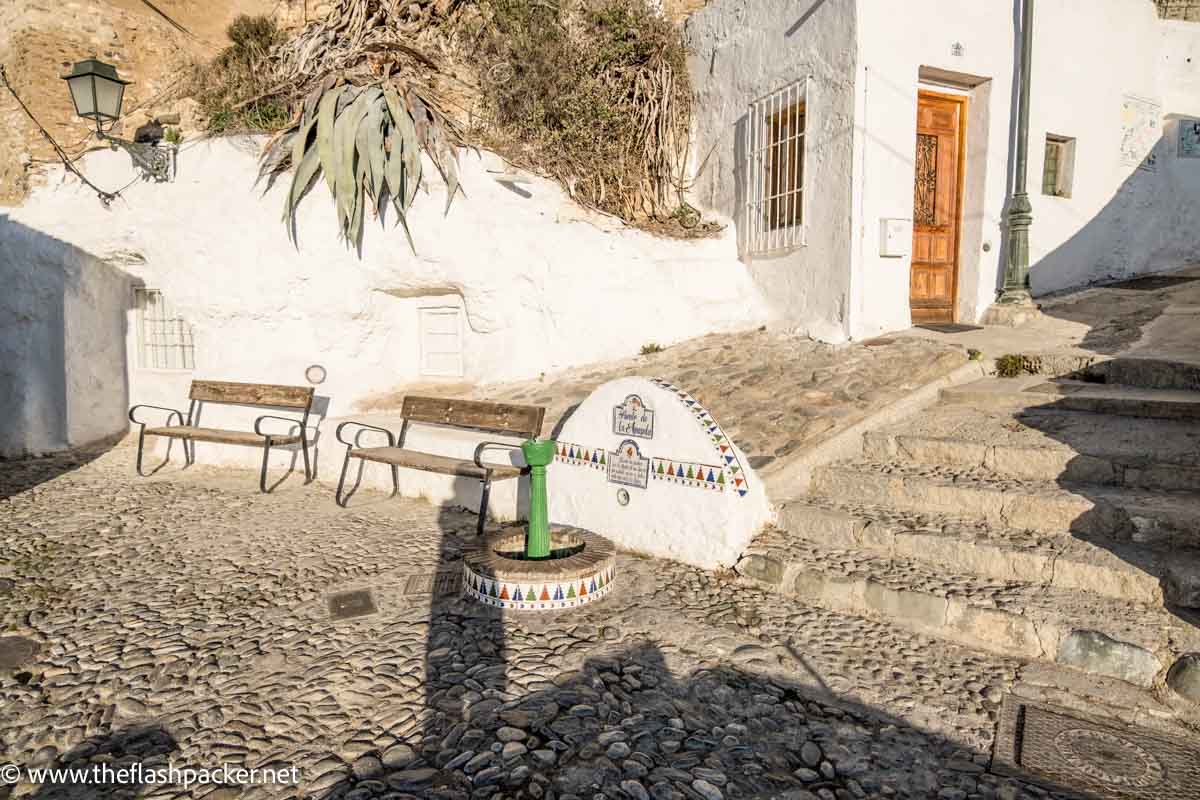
{"x": 773, "y": 393}
{"x": 185, "y": 619}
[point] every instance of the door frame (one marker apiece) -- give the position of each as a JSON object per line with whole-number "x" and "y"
{"x": 962, "y": 101}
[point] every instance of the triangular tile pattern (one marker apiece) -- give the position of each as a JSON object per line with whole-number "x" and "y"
{"x": 547, "y": 596}
{"x": 729, "y": 473}
{"x": 579, "y": 455}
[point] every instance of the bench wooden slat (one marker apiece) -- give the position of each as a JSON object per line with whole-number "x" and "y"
{"x": 430, "y": 462}
{"x": 252, "y": 394}
{"x": 510, "y": 418}
{"x": 218, "y": 435}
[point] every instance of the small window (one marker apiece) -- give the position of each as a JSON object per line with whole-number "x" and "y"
{"x": 164, "y": 338}
{"x": 1058, "y": 171}
{"x": 441, "y": 341}
{"x": 775, "y": 169}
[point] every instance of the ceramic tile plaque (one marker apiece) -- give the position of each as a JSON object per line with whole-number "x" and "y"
{"x": 1189, "y": 138}
{"x": 633, "y": 418}
{"x": 627, "y": 466}
{"x": 1141, "y": 129}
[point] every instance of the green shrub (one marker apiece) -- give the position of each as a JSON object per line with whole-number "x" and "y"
{"x": 594, "y": 93}
{"x": 1010, "y": 366}
{"x": 230, "y": 86}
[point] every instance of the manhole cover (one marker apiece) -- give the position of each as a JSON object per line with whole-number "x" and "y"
{"x": 435, "y": 583}
{"x": 15, "y": 651}
{"x": 344, "y": 605}
{"x": 1083, "y": 754}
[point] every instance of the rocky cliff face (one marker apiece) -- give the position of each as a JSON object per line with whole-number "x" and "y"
{"x": 1186, "y": 10}
{"x": 148, "y": 43}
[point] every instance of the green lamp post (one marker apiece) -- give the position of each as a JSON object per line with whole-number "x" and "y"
{"x": 538, "y": 454}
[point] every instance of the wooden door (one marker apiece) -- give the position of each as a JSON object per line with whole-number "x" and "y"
{"x": 937, "y": 206}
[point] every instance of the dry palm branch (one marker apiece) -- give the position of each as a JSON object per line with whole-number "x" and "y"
{"x": 360, "y": 126}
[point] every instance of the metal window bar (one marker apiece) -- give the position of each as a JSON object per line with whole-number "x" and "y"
{"x": 1050, "y": 181}
{"x": 164, "y": 338}
{"x": 776, "y": 160}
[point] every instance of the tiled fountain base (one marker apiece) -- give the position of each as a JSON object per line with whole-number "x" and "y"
{"x": 584, "y": 574}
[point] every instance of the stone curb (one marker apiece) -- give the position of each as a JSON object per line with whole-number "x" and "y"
{"x": 843, "y": 530}
{"x": 954, "y": 619}
{"x": 1051, "y": 464}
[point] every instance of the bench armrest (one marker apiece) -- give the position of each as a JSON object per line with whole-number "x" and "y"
{"x": 258, "y": 422}
{"x": 391, "y": 439}
{"x": 485, "y": 445}
{"x": 171, "y": 412}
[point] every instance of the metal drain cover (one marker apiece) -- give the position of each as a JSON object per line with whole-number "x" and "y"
{"x": 1105, "y": 759}
{"x": 16, "y": 650}
{"x": 435, "y": 583}
{"x": 358, "y": 603}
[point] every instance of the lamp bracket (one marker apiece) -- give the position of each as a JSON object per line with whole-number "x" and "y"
{"x": 154, "y": 162}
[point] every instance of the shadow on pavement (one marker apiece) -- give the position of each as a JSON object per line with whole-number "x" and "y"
{"x": 119, "y": 766}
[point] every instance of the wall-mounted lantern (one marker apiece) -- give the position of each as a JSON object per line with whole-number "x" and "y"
{"x": 97, "y": 92}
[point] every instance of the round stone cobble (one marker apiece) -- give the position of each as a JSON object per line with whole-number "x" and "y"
{"x": 183, "y": 619}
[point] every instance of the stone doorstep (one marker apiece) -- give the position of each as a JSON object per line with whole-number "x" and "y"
{"x": 1151, "y": 373}
{"x": 1117, "y": 570}
{"x": 1095, "y": 510}
{"x": 1013, "y": 394}
{"x": 1092, "y": 635}
{"x": 1032, "y": 463}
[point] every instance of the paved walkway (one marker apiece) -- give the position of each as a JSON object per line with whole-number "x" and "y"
{"x": 776, "y": 394}
{"x": 185, "y": 619}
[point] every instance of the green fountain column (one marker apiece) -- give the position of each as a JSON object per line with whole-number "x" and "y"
{"x": 538, "y": 454}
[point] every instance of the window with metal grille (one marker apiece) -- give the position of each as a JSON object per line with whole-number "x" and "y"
{"x": 164, "y": 338}
{"x": 776, "y": 128}
{"x": 441, "y": 341}
{"x": 1058, "y": 170}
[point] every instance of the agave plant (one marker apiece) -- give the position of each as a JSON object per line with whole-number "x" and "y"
{"x": 366, "y": 141}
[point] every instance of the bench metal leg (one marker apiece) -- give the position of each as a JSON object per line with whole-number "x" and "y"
{"x": 141, "y": 444}
{"x": 485, "y": 490}
{"x": 307, "y": 469}
{"x": 141, "y": 451}
{"x": 337, "y": 496}
{"x": 262, "y": 476}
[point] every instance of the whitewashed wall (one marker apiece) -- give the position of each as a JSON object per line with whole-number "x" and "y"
{"x": 741, "y": 50}
{"x": 62, "y": 344}
{"x": 1088, "y": 54}
{"x": 543, "y": 284}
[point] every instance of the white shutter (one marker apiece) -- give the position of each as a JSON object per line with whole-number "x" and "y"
{"x": 441, "y": 341}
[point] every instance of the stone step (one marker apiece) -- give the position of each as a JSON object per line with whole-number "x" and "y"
{"x": 1033, "y": 391}
{"x": 1088, "y": 509}
{"x": 1131, "y": 642}
{"x": 1059, "y": 446}
{"x": 1148, "y": 373}
{"x": 1127, "y": 571}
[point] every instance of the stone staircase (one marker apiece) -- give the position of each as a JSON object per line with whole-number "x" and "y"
{"x": 1054, "y": 520}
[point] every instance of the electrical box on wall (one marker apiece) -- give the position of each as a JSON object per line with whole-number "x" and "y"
{"x": 895, "y": 237}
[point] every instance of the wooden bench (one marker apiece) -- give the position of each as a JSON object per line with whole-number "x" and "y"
{"x": 298, "y": 398}
{"x": 474, "y": 415}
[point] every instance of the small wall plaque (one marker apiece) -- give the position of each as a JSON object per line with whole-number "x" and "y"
{"x": 633, "y": 418}
{"x": 627, "y": 466}
{"x": 1189, "y": 138}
